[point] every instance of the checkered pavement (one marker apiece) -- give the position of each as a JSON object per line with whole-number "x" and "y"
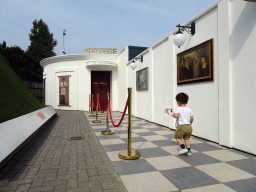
{"x": 160, "y": 168}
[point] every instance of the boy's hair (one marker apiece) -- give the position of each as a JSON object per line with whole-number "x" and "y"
{"x": 182, "y": 98}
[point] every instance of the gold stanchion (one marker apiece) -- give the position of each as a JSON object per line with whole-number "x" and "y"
{"x": 92, "y": 115}
{"x": 97, "y": 121}
{"x": 129, "y": 154}
{"x": 107, "y": 132}
{"x": 89, "y": 103}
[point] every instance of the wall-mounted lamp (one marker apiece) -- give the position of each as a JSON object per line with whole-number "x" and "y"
{"x": 133, "y": 64}
{"x": 179, "y": 38}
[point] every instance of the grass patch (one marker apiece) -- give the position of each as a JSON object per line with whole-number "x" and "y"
{"x": 16, "y": 99}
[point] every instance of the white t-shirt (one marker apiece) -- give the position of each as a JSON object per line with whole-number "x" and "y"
{"x": 185, "y": 114}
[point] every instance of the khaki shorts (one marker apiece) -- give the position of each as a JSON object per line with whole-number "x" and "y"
{"x": 183, "y": 131}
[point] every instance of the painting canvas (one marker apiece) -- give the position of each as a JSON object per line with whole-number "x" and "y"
{"x": 196, "y": 64}
{"x": 63, "y": 90}
{"x": 142, "y": 79}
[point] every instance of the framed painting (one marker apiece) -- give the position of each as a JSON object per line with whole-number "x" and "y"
{"x": 196, "y": 64}
{"x": 64, "y": 91}
{"x": 142, "y": 79}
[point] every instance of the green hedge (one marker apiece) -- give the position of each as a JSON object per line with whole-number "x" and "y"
{"x": 16, "y": 99}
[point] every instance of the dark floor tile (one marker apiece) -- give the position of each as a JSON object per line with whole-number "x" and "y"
{"x": 153, "y": 152}
{"x": 245, "y": 185}
{"x": 188, "y": 177}
{"x": 117, "y": 131}
{"x": 116, "y": 147}
{"x": 134, "y": 139}
{"x": 201, "y": 147}
{"x": 147, "y": 134}
{"x": 156, "y": 129}
{"x": 248, "y": 165}
{"x": 163, "y": 143}
{"x": 105, "y": 137}
{"x": 198, "y": 159}
{"x": 127, "y": 167}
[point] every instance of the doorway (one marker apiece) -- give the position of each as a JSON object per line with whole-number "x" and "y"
{"x": 100, "y": 83}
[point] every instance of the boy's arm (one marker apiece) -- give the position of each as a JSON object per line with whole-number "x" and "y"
{"x": 176, "y": 115}
{"x": 191, "y": 119}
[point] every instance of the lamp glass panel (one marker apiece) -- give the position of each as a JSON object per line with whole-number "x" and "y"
{"x": 133, "y": 65}
{"x": 179, "y": 39}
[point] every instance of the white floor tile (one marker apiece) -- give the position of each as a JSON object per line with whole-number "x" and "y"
{"x": 164, "y": 132}
{"x": 111, "y": 141}
{"x": 167, "y": 162}
{"x": 143, "y": 145}
{"x": 113, "y": 156}
{"x": 224, "y": 155}
{"x": 224, "y": 172}
{"x": 152, "y": 181}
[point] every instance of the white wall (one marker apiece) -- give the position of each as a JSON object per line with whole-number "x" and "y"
{"x": 122, "y": 79}
{"x": 163, "y": 82}
{"x": 243, "y": 58}
{"x": 143, "y": 98}
{"x": 79, "y": 82}
{"x": 203, "y": 96}
{"x": 52, "y": 72}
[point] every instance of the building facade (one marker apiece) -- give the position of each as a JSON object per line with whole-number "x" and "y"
{"x": 223, "y": 105}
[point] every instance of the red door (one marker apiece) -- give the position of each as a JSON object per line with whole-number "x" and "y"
{"x": 101, "y": 85}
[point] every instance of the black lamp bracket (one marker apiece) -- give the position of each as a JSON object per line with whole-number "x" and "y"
{"x": 140, "y": 58}
{"x": 190, "y": 30}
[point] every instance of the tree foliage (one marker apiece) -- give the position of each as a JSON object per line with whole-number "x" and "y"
{"x": 20, "y": 63}
{"x": 41, "y": 45}
{"x": 41, "y": 42}
{"x": 2, "y": 46}
{"x": 27, "y": 63}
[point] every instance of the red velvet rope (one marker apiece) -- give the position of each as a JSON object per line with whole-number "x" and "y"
{"x": 122, "y": 115}
{"x": 104, "y": 107}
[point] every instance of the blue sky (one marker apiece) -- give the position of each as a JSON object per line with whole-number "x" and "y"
{"x": 96, "y": 23}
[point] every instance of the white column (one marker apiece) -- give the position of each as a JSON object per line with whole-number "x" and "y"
{"x": 224, "y": 74}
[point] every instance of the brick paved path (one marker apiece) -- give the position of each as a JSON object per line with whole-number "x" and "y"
{"x": 53, "y": 162}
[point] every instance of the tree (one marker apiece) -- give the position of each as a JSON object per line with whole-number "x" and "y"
{"x": 20, "y": 63}
{"x": 41, "y": 45}
{"x": 3, "y": 46}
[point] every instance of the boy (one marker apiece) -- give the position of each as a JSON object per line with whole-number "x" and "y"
{"x": 185, "y": 119}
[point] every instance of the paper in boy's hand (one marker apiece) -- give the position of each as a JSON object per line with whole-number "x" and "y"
{"x": 167, "y": 109}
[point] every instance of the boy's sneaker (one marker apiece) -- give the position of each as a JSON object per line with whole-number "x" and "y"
{"x": 189, "y": 153}
{"x": 183, "y": 151}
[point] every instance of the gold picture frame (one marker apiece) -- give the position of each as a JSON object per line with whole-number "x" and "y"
{"x": 196, "y": 64}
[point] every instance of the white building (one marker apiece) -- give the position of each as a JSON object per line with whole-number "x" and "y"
{"x": 224, "y": 108}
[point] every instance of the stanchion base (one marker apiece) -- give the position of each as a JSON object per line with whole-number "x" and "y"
{"x": 107, "y": 133}
{"x": 124, "y": 154}
{"x": 99, "y": 121}
{"x": 91, "y": 115}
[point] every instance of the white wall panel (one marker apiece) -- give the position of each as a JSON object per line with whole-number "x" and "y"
{"x": 163, "y": 82}
{"x": 203, "y": 96}
{"x": 243, "y": 57}
{"x": 143, "y": 98}
{"x": 122, "y": 82}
